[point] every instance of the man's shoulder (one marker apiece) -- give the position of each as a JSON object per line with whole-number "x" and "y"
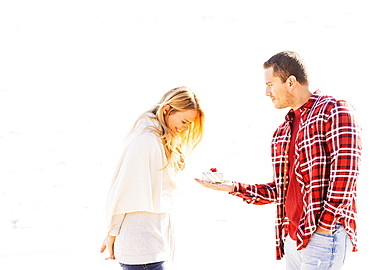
{"x": 328, "y": 102}
{"x": 329, "y": 99}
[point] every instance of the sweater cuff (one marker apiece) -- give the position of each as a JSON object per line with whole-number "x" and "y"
{"x": 116, "y": 224}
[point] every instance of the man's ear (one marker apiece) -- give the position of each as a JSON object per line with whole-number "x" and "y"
{"x": 292, "y": 80}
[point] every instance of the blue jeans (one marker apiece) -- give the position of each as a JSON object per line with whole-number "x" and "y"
{"x": 323, "y": 252}
{"x": 149, "y": 266}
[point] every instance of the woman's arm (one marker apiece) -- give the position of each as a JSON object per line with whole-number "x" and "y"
{"x": 111, "y": 238}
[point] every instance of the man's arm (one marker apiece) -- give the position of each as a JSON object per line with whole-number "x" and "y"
{"x": 344, "y": 145}
{"x": 253, "y": 194}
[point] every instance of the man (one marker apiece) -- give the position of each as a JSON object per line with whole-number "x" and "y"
{"x": 315, "y": 157}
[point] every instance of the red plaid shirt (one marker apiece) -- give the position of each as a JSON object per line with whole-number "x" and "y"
{"x": 327, "y": 156}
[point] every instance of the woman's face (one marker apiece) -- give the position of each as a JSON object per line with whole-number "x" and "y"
{"x": 178, "y": 122}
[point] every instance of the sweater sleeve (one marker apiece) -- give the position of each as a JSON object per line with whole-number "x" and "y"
{"x": 138, "y": 181}
{"x": 117, "y": 221}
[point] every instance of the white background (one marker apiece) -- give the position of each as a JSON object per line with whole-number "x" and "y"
{"x": 75, "y": 75}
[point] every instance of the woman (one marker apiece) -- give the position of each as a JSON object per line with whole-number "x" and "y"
{"x": 139, "y": 201}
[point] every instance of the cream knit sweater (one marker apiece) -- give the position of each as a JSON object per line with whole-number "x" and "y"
{"x": 140, "y": 199}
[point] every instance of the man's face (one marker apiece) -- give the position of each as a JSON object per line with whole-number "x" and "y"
{"x": 278, "y": 91}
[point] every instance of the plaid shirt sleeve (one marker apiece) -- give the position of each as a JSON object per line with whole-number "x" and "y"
{"x": 344, "y": 145}
{"x": 255, "y": 194}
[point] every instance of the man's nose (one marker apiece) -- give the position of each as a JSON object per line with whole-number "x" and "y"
{"x": 268, "y": 91}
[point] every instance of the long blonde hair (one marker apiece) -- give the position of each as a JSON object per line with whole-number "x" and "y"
{"x": 177, "y": 147}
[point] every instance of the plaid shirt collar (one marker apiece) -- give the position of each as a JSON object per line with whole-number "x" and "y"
{"x": 305, "y": 107}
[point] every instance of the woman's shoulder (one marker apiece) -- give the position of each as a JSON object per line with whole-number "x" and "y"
{"x": 147, "y": 138}
{"x": 144, "y": 134}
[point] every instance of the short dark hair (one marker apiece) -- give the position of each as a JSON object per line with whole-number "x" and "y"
{"x": 288, "y": 63}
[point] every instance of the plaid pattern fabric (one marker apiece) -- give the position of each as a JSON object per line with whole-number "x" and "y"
{"x": 327, "y": 156}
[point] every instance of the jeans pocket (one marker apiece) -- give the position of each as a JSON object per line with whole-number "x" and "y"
{"x": 319, "y": 251}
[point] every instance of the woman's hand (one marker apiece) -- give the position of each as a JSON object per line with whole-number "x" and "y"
{"x": 225, "y": 186}
{"x": 109, "y": 243}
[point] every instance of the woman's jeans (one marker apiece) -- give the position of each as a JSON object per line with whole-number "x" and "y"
{"x": 323, "y": 252}
{"x": 149, "y": 266}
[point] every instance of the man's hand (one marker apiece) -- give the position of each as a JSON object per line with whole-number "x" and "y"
{"x": 225, "y": 186}
{"x": 109, "y": 243}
